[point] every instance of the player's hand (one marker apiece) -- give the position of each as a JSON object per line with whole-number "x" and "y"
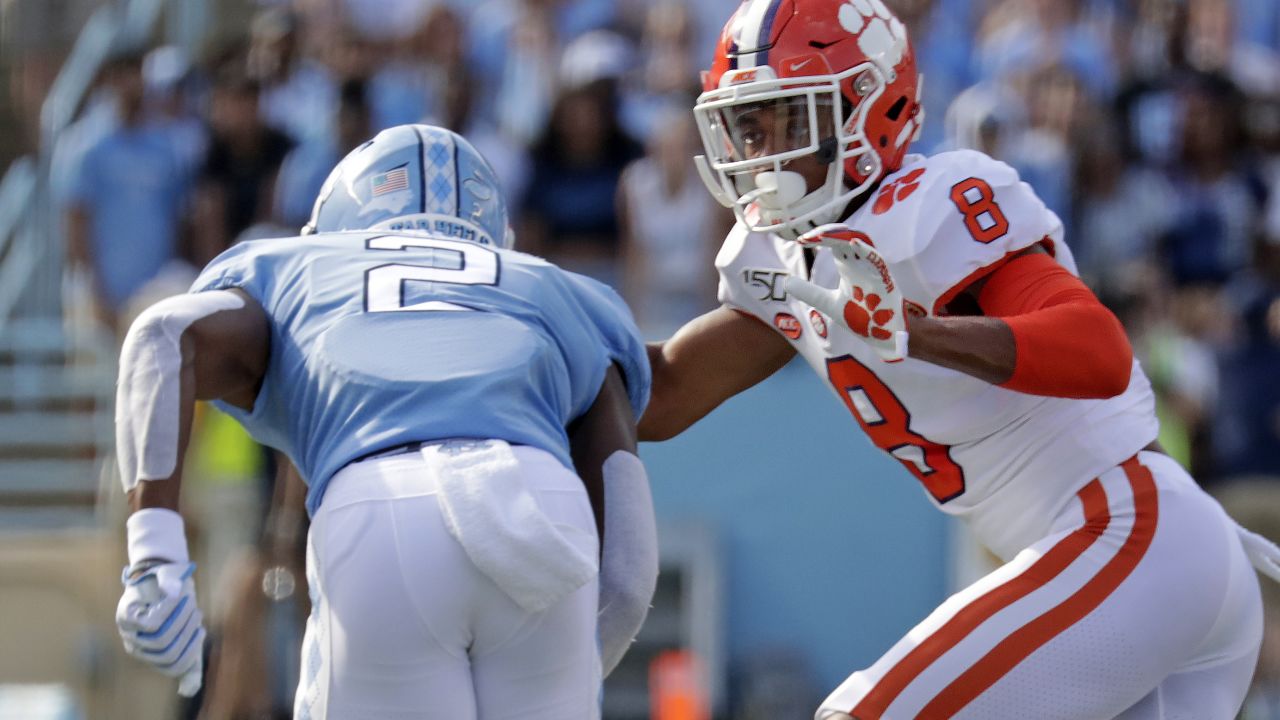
{"x": 160, "y": 623}
{"x": 1263, "y": 554}
{"x": 867, "y": 300}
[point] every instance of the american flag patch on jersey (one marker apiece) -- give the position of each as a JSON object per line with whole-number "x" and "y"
{"x": 391, "y": 181}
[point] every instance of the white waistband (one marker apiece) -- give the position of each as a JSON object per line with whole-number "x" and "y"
{"x": 403, "y": 473}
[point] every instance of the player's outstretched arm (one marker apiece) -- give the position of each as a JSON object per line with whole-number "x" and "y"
{"x": 1040, "y": 330}
{"x": 708, "y": 361}
{"x": 603, "y": 445}
{"x": 211, "y": 345}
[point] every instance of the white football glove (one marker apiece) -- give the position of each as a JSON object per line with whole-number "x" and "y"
{"x": 160, "y": 623}
{"x": 157, "y": 616}
{"x": 867, "y": 300}
{"x": 1263, "y": 554}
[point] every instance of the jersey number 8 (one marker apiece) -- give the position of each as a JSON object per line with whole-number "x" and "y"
{"x": 888, "y": 423}
{"x": 977, "y": 202}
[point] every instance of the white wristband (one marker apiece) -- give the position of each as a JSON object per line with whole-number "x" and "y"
{"x": 156, "y": 534}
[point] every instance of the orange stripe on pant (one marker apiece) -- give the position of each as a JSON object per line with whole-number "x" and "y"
{"x": 1050, "y": 565}
{"x": 1030, "y": 637}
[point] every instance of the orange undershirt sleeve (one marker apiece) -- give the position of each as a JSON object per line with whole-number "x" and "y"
{"x": 1068, "y": 344}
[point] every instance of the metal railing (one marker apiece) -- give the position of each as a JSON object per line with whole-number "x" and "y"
{"x": 17, "y": 190}
{"x": 56, "y": 378}
{"x": 31, "y": 237}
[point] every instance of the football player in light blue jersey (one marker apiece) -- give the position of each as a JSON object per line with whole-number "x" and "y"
{"x": 464, "y": 416}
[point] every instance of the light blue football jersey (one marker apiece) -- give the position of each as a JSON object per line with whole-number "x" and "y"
{"x": 378, "y": 340}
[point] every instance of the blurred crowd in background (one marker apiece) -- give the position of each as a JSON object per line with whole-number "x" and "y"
{"x": 1152, "y": 127}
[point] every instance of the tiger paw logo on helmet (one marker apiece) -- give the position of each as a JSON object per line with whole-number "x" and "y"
{"x": 845, "y": 66}
{"x": 880, "y": 34}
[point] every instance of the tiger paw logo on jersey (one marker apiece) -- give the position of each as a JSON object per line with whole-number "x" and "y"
{"x": 864, "y": 315}
{"x": 896, "y": 191}
{"x": 880, "y": 34}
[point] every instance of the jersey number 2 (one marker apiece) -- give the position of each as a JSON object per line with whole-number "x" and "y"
{"x": 447, "y": 261}
{"x": 886, "y": 421}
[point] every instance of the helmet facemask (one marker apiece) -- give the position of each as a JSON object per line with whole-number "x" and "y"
{"x": 756, "y": 124}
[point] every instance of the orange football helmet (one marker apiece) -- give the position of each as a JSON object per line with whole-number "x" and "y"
{"x": 831, "y": 78}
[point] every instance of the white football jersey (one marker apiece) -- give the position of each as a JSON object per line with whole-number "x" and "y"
{"x": 1006, "y": 461}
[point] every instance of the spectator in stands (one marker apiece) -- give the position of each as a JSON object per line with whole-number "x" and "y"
{"x": 1042, "y": 153}
{"x": 1153, "y": 29}
{"x": 1219, "y": 195}
{"x": 1258, "y": 22}
{"x": 383, "y": 22}
{"x": 666, "y": 72}
{"x": 126, "y": 199}
{"x": 1247, "y": 427}
{"x": 457, "y": 108}
{"x": 238, "y": 182}
{"x": 986, "y": 117}
{"x": 348, "y": 56}
{"x": 942, "y": 36}
{"x": 1029, "y": 35}
{"x": 1175, "y": 45}
{"x": 304, "y": 169}
{"x": 410, "y": 86}
{"x": 1212, "y": 45}
{"x": 671, "y": 229}
{"x": 1120, "y": 213}
{"x": 298, "y": 92}
{"x": 167, "y": 74}
{"x": 98, "y": 117}
{"x": 1147, "y": 105}
{"x": 514, "y": 48}
{"x": 569, "y": 213}
{"x": 1169, "y": 336}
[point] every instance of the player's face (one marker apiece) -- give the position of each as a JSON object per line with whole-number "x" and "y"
{"x": 771, "y": 127}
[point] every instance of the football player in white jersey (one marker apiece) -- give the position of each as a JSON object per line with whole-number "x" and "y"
{"x": 938, "y": 299}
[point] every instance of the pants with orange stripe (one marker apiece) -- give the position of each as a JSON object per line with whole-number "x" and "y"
{"x": 1139, "y": 605}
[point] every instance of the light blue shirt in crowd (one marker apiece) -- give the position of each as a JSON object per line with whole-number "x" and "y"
{"x": 134, "y": 184}
{"x": 301, "y": 177}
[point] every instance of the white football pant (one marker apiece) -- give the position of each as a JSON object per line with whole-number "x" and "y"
{"x": 1140, "y": 605}
{"x": 404, "y": 625}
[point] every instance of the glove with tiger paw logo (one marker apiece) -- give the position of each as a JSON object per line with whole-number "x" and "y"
{"x": 867, "y": 300}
